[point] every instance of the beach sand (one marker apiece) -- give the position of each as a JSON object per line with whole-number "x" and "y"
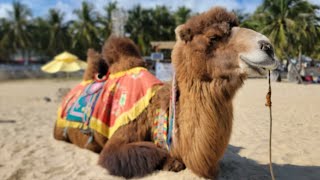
{"x": 28, "y": 150}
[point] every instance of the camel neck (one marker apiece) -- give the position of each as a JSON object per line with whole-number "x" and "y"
{"x": 203, "y": 121}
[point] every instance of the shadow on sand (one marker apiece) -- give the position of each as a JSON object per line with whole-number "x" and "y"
{"x": 7, "y": 121}
{"x": 233, "y": 166}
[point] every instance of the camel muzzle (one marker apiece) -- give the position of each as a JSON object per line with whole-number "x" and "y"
{"x": 269, "y": 61}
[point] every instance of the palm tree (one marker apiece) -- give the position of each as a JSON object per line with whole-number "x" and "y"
{"x": 84, "y": 31}
{"x": 315, "y": 54}
{"x": 181, "y": 15}
{"x": 5, "y": 43}
{"x": 145, "y": 25}
{"x": 59, "y": 37}
{"x": 39, "y": 36}
{"x": 308, "y": 24}
{"x": 163, "y": 24}
{"x": 140, "y": 25}
{"x": 106, "y": 20}
{"x": 290, "y": 24}
{"x": 17, "y": 33}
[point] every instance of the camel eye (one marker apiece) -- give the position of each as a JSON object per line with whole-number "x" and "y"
{"x": 214, "y": 39}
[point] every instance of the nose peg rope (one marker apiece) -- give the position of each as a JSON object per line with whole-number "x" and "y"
{"x": 269, "y": 104}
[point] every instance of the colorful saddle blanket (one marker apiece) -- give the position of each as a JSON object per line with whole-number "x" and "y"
{"x": 82, "y": 108}
{"x": 164, "y": 128}
{"x": 106, "y": 106}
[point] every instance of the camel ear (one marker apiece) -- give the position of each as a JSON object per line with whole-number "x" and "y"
{"x": 183, "y": 33}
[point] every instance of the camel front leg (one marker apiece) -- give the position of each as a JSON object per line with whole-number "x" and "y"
{"x": 173, "y": 164}
{"x": 128, "y": 154}
{"x": 59, "y": 134}
{"x": 75, "y": 136}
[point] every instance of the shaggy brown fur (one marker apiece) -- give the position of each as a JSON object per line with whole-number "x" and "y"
{"x": 206, "y": 90}
{"x": 208, "y": 75}
{"x": 121, "y": 54}
{"x": 95, "y": 66}
{"x": 129, "y": 152}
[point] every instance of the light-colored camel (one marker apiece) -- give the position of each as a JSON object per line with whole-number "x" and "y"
{"x": 211, "y": 59}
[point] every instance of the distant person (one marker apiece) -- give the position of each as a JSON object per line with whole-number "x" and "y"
{"x": 276, "y": 75}
{"x": 303, "y": 72}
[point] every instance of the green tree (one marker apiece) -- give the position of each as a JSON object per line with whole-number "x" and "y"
{"x": 39, "y": 36}
{"x": 163, "y": 24}
{"x": 245, "y": 20}
{"x": 181, "y": 15}
{"x": 307, "y": 25}
{"x": 5, "y": 43}
{"x": 316, "y": 51}
{"x": 106, "y": 20}
{"x": 146, "y": 25}
{"x": 139, "y": 26}
{"x": 84, "y": 31}
{"x": 17, "y": 32}
{"x": 290, "y": 25}
{"x": 59, "y": 38}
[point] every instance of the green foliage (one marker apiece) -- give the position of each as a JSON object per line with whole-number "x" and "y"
{"x": 84, "y": 31}
{"x": 315, "y": 54}
{"x": 146, "y": 25}
{"x": 4, "y": 39}
{"x": 106, "y": 20}
{"x": 51, "y": 35}
{"x": 139, "y": 26}
{"x": 16, "y": 36}
{"x": 58, "y": 38}
{"x": 182, "y": 15}
{"x": 292, "y": 26}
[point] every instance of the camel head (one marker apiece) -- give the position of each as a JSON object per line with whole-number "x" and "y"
{"x": 211, "y": 46}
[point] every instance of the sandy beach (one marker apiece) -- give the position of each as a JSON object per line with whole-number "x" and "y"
{"x": 28, "y": 150}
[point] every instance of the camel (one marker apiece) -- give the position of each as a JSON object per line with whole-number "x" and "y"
{"x": 211, "y": 58}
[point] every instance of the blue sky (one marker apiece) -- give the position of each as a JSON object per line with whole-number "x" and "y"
{"x": 41, "y": 7}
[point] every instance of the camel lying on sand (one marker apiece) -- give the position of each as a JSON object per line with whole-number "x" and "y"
{"x": 211, "y": 59}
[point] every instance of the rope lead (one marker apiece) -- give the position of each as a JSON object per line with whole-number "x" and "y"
{"x": 269, "y": 104}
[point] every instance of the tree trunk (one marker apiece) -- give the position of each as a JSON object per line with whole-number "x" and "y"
{"x": 27, "y": 56}
{"x": 299, "y": 60}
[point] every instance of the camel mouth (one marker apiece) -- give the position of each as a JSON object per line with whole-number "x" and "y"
{"x": 261, "y": 67}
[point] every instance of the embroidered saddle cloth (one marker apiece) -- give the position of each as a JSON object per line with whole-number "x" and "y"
{"x": 106, "y": 106}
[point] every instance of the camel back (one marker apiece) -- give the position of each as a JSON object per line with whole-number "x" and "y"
{"x": 105, "y": 106}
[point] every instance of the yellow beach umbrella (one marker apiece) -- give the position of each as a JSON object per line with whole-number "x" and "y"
{"x": 66, "y": 62}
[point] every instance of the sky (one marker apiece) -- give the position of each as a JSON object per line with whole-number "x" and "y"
{"x": 41, "y": 7}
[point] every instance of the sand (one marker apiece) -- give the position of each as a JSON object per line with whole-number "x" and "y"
{"x": 28, "y": 150}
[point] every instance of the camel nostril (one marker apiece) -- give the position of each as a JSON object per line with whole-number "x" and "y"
{"x": 266, "y": 46}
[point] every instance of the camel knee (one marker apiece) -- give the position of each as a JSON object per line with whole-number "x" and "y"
{"x": 93, "y": 146}
{"x": 59, "y": 134}
{"x": 133, "y": 159}
{"x": 173, "y": 164}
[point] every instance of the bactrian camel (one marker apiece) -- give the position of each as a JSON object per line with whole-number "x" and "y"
{"x": 211, "y": 59}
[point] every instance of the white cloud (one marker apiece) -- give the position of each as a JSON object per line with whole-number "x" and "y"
{"x": 4, "y": 8}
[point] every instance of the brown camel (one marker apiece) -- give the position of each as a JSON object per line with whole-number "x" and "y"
{"x": 211, "y": 58}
